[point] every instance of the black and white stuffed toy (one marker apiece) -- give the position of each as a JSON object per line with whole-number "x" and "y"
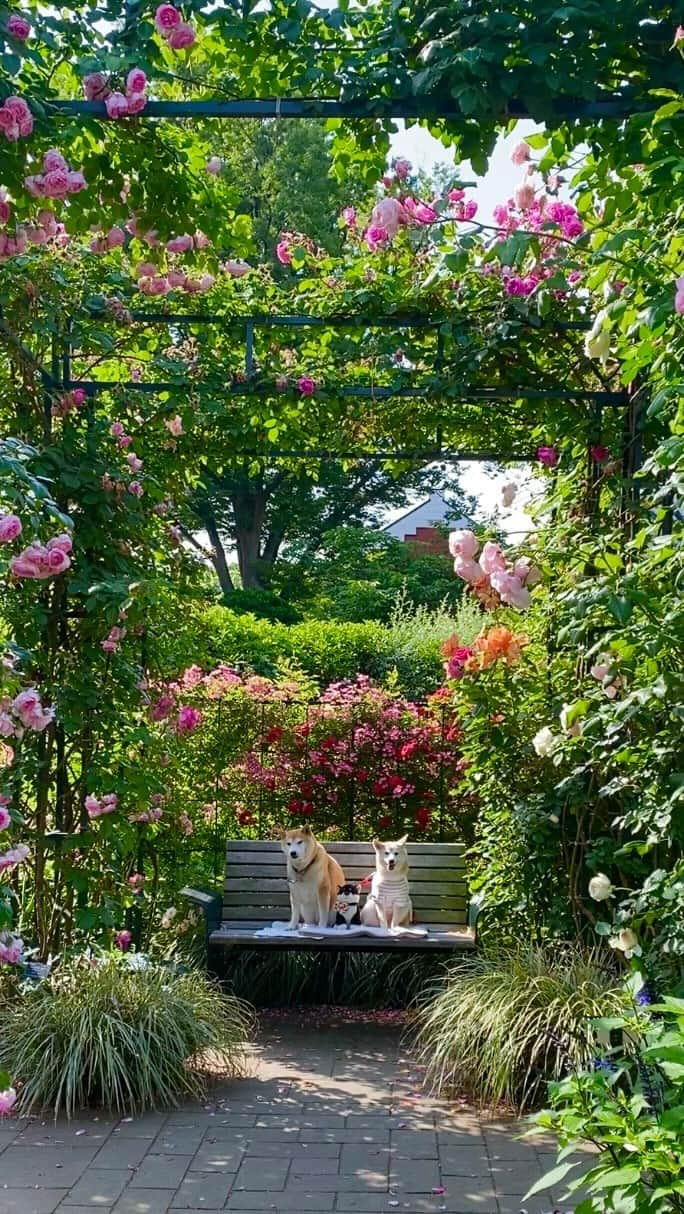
{"x": 347, "y": 906}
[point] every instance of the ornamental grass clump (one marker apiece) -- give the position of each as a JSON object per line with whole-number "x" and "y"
{"x": 125, "y": 1038}
{"x": 508, "y": 1020}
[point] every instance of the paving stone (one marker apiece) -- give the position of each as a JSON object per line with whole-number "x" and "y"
{"x": 30, "y": 1201}
{"x": 311, "y": 1165}
{"x": 541, "y": 1204}
{"x": 464, "y": 1161}
{"x": 50, "y": 1167}
{"x": 510, "y": 1176}
{"x": 372, "y": 1181}
{"x": 146, "y": 1126}
{"x": 160, "y": 1172}
{"x": 264, "y": 1175}
{"x": 182, "y": 1141}
{"x": 414, "y": 1175}
{"x": 99, "y": 1187}
{"x": 64, "y": 1134}
{"x": 353, "y": 1157}
{"x": 202, "y": 1190}
{"x": 149, "y": 1201}
{"x": 218, "y": 1157}
{"x": 415, "y": 1144}
{"x": 121, "y": 1153}
{"x": 345, "y": 1135}
{"x": 298, "y": 1201}
{"x": 276, "y": 1150}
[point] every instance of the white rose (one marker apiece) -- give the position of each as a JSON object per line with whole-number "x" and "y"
{"x": 626, "y": 942}
{"x": 600, "y": 887}
{"x": 544, "y": 742}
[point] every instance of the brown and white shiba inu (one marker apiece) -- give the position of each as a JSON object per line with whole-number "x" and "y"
{"x": 313, "y": 877}
{"x": 389, "y": 902}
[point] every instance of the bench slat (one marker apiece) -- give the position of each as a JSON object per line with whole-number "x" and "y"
{"x": 267, "y": 914}
{"x": 278, "y": 885}
{"x": 331, "y": 845}
{"x": 244, "y": 872}
{"x": 420, "y": 902}
{"x": 255, "y": 860}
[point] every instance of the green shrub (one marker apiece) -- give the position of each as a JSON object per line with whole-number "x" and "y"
{"x": 372, "y": 980}
{"x": 630, "y": 1108}
{"x": 506, "y": 1021}
{"x": 122, "y": 1037}
{"x": 263, "y": 604}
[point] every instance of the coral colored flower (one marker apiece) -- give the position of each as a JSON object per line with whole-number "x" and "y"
{"x": 167, "y": 18}
{"x": 499, "y": 644}
{"x": 18, "y": 27}
{"x": 520, "y": 153}
{"x": 123, "y": 940}
{"x": 10, "y": 528}
{"x": 306, "y": 385}
{"x": 181, "y": 37}
{"x": 548, "y": 456}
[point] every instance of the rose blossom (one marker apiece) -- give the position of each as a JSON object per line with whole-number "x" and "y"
{"x": 463, "y": 543}
{"x": 181, "y": 37}
{"x": 174, "y": 425}
{"x": 10, "y": 528}
{"x": 388, "y": 214}
{"x": 116, "y": 105}
{"x": 600, "y": 887}
{"x": 544, "y": 742}
{"x": 283, "y": 253}
{"x": 548, "y": 456}
{"x": 136, "y": 81}
{"x": 214, "y": 166}
{"x": 306, "y": 385}
{"x": 188, "y": 719}
{"x": 8, "y": 1099}
{"x": 95, "y": 86}
{"x": 235, "y": 267}
{"x": 124, "y": 939}
{"x": 520, "y": 153}
{"x": 492, "y": 558}
{"x": 18, "y": 27}
{"x": 166, "y": 18}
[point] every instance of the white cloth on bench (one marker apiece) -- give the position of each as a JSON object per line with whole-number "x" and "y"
{"x": 344, "y": 933}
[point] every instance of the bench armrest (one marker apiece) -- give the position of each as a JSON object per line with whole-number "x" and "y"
{"x": 208, "y": 902}
{"x": 475, "y": 908}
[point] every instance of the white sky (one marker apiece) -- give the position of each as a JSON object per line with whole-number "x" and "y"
{"x": 418, "y": 146}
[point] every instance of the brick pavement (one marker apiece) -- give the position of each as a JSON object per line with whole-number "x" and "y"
{"x": 330, "y": 1119}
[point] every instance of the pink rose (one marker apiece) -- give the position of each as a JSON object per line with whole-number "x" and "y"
{"x": 10, "y": 528}
{"x": 58, "y": 561}
{"x": 166, "y": 18}
{"x": 492, "y": 558}
{"x": 179, "y": 244}
{"x": 5, "y": 208}
{"x": 116, "y": 105}
{"x": 510, "y": 590}
{"x": 136, "y": 103}
{"x": 35, "y": 186}
{"x": 349, "y": 216}
{"x": 188, "y": 719}
{"x": 116, "y": 237}
{"x": 463, "y": 543}
{"x": 456, "y": 195}
{"x": 420, "y": 212}
{"x": 376, "y": 237}
{"x": 176, "y": 278}
{"x": 56, "y": 183}
{"x": 136, "y": 489}
{"x": 388, "y": 214}
{"x": 136, "y": 81}
{"x": 134, "y": 462}
{"x": 116, "y": 429}
{"x": 8, "y": 1099}
{"x": 29, "y": 563}
{"x": 206, "y": 282}
{"x": 18, "y": 27}
{"x": 145, "y": 269}
{"x": 202, "y": 241}
{"x": 63, "y": 542}
{"x": 95, "y": 86}
{"x": 124, "y": 939}
{"x": 524, "y": 195}
{"x": 76, "y": 181}
{"x": 235, "y": 268}
{"x": 520, "y": 153}
{"x": 599, "y": 454}
{"x": 53, "y": 160}
{"x": 5, "y": 819}
{"x": 402, "y": 168}
{"x": 283, "y": 253}
{"x": 181, "y": 37}
{"x": 175, "y": 426}
{"x": 468, "y": 569}
{"x": 306, "y": 385}
{"x": 527, "y": 573}
{"x": 548, "y": 456}
{"x": 214, "y": 165}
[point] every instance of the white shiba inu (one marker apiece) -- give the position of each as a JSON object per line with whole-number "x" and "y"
{"x": 313, "y": 877}
{"x": 389, "y": 902}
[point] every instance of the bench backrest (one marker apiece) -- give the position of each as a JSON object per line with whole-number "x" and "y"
{"x": 256, "y": 889}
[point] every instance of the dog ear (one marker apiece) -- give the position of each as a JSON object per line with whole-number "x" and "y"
{"x": 306, "y": 829}
{"x": 403, "y": 841}
{"x": 377, "y": 844}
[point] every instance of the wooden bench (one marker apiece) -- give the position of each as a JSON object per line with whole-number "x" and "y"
{"x": 256, "y": 894}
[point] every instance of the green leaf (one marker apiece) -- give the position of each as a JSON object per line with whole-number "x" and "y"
{"x": 550, "y": 1179}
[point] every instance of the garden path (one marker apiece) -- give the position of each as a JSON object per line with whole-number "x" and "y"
{"x": 331, "y": 1118}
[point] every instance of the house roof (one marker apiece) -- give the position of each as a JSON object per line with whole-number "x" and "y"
{"x": 434, "y": 509}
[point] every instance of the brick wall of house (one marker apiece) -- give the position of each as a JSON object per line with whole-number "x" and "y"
{"x": 428, "y": 540}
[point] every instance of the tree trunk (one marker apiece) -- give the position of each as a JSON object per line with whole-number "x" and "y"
{"x": 218, "y": 553}
{"x": 249, "y": 508}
